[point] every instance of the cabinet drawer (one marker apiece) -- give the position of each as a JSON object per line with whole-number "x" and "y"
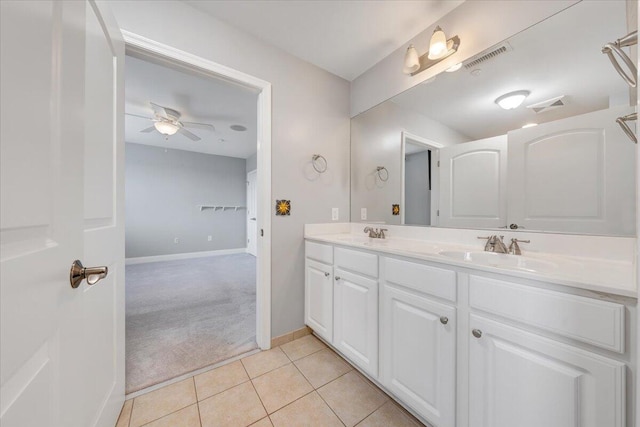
{"x": 422, "y": 278}
{"x": 595, "y": 322}
{"x": 319, "y": 252}
{"x": 357, "y": 262}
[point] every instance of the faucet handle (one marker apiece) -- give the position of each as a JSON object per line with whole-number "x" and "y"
{"x": 514, "y": 248}
{"x": 484, "y": 238}
{"x": 381, "y": 233}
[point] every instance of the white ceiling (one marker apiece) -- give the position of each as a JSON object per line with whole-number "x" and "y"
{"x": 344, "y": 37}
{"x": 198, "y": 98}
{"x": 556, "y": 57}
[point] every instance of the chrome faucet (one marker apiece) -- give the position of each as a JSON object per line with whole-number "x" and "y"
{"x": 375, "y": 233}
{"x": 495, "y": 244}
{"x": 514, "y": 248}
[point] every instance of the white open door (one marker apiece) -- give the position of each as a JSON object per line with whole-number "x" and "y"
{"x": 62, "y": 349}
{"x": 473, "y": 184}
{"x": 252, "y": 213}
{"x": 574, "y": 175}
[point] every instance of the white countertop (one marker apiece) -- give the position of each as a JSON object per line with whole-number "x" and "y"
{"x": 600, "y": 275}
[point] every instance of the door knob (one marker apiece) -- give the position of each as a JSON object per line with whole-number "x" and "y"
{"x": 444, "y": 320}
{"x": 337, "y": 278}
{"x": 93, "y": 274}
{"x": 477, "y": 333}
{"x": 327, "y": 274}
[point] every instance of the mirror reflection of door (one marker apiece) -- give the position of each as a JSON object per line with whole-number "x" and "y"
{"x": 419, "y": 181}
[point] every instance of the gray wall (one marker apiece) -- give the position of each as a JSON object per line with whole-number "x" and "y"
{"x": 310, "y": 115}
{"x": 163, "y": 190}
{"x": 252, "y": 163}
{"x": 417, "y": 196}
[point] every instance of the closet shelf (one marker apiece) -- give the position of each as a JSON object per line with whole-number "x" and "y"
{"x": 219, "y": 207}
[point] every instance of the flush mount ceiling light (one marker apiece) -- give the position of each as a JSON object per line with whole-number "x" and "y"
{"x": 439, "y": 49}
{"x": 166, "y": 128}
{"x": 512, "y": 100}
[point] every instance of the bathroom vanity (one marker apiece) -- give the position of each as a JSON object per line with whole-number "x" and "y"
{"x": 463, "y": 337}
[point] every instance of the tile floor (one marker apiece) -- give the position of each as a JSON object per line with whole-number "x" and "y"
{"x": 300, "y": 383}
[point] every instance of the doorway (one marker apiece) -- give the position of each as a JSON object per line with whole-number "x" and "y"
{"x": 420, "y": 180}
{"x": 230, "y": 262}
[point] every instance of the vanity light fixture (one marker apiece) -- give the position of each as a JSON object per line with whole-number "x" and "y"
{"x": 512, "y": 100}
{"x": 439, "y": 49}
{"x": 529, "y": 125}
{"x": 166, "y": 128}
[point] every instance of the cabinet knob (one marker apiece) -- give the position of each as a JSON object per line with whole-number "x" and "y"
{"x": 477, "y": 333}
{"x": 444, "y": 320}
{"x": 327, "y": 274}
{"x": 337, "y": 278}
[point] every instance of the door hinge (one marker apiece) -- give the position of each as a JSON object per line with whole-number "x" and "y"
{"x": 261, "y": 232}
{"x": 438, "y": 212}
{"x": 438, "y": 163}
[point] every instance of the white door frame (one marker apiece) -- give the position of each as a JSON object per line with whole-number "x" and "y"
{"x": 435, "y": 195}
{"x": 252, "y": 200}
{"x": 136, "y": 43}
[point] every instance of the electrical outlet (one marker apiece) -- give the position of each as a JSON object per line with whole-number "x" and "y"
{"x": 363, "y": 214}
{"x": 335, "y": 214}
{"x": 208, "y": 238}
{"x": 176, "y": 240}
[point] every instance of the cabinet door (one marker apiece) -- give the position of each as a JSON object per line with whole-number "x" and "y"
{"x": 318, "y": 298}
{"x": 356, "y": 319}
{"x": 521, "y": 379}
{"x": 418, "y": 353}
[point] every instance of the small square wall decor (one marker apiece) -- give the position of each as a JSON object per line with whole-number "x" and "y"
{"x": 283, "y": 207}
{"x": 395, "y": 209}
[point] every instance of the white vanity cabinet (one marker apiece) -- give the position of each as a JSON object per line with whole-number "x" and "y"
{"x": 517, "y": 378}
{"x": 356, "y": 307}
{"x": 418, "y": 338}
{"x": 318, "y": 295}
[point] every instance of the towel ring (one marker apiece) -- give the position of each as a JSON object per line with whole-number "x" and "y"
{"x": 319, "y": 163}
{"x": 610, "y": 48}
{"x": 622, "y": 121}
{"x": 379, "y": 171}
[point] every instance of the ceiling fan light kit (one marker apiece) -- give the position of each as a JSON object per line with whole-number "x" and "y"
{"x": 167, "y": 122}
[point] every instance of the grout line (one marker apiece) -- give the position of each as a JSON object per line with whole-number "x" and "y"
{"x": 330, "y": 408}
{"x": 166, "y": 415}
{"x": 199, "y": 415}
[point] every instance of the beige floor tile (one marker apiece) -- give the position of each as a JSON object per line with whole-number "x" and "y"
{"x": 265, "y": 422}
{"x": 220, "y": 379}
{"x": 281, "y": 387}
{"x": 389, "y": 415}
{"x": 322, "y": 367}
{"x": 265, "y": 361}
{"x": 187, "y": 417}
{"x": 302, "y": 347}
{"x": 352, "y": 398}
{"x": 309, "y": 411}
{"x": 238, "y": 406}
{"x": 125, "y": 414}
{"x": 157, "y": 404}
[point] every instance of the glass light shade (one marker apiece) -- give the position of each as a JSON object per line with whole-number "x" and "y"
{"x": 438, "y": 44}
{"x": 411, "y": 60}
{"x": 166, "y": 128}
{"x": 454, "y": 67}
{"x": 512, "y": 100}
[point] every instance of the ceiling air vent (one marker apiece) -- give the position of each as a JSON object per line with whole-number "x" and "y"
{"x": 506, "y": 47}
{"x": 548, "y": 105}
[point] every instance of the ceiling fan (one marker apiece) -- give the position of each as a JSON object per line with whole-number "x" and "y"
{"x": 167, "y": 122}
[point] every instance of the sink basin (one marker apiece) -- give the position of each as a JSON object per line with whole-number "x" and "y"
{"x": 492, "y": 259}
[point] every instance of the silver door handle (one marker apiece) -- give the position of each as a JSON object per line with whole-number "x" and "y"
{"x": 327, "y": 274}
{"x": 337, "y": 278}
{"x": 477, "y": 333}
{"x": 93, "y": 274}
{"x": 444, "y": 320}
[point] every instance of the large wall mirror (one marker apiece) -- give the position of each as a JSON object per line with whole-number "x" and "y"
{"x": 448, "y": 155}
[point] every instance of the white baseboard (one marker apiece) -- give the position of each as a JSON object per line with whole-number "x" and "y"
{"x": 171, "y": 257}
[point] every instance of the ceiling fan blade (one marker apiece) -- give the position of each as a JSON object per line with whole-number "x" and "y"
{"x": 189, "y": 135}
{"x": 205, "y": 126}
{"x": 137, "y": 115}
{"x": 150, "y": 129}
{"x": 159, "y": 110}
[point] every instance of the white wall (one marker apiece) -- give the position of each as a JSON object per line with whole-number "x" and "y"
{"x": 479, "y": 23}
{"x": 376, "y": 140}
{"x": 163, "y": 189}
{"x": 310, "y": 110}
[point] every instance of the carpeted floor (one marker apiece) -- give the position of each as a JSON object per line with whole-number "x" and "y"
{"x": 187, "y": 314}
